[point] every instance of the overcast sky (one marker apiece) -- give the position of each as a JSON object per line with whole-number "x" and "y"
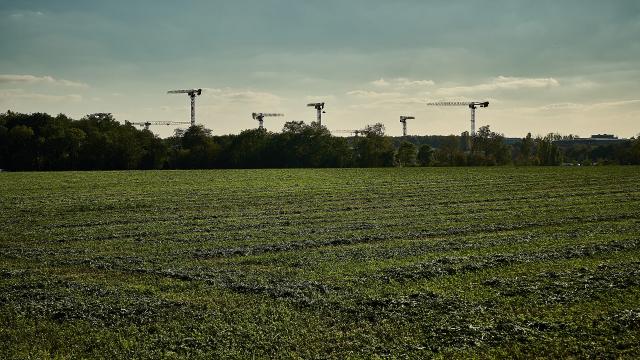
{"x": 568, "y": 66}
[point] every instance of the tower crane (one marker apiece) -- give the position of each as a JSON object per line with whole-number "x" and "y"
{"x": 192, "y": 94}
{"x": 146, "y": 124}
{"x": 403, "y": 120}
{"x": 320, "y": 109}
{"x": 472, "y": 105}
{"x": 260, "y": 117}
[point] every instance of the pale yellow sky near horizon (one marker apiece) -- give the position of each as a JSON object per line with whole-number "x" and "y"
{"x": 228, "y": 110}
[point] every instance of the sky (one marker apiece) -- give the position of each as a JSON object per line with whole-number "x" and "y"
{"x": 566, "y": 66}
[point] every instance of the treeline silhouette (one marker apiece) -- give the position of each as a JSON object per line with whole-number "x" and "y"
{"x": 98, "y": 142}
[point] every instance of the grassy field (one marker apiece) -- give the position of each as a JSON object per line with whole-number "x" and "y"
{"x": 460, "y": 262}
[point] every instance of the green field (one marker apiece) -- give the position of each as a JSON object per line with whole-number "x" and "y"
{"x": 415, "y": 262}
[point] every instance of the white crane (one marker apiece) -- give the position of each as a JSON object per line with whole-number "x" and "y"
{"x": 403, "y": 120}
{"x": 192, "y": 94}
{"x": 320, "y": 109}
{"x": 472, "y": 105}
{"x": 260, "y": 117}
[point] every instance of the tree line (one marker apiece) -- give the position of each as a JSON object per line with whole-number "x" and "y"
{"x": 42, "y": 142}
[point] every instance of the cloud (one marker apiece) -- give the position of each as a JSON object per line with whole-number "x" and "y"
{"x": 491, "y": 100}
{"x": 379, "y": 100}
{"x": 233, "y": 96}
{"x": 71, "y": 83}
{"x": 22, "y": 95}
{"x": 366, "y": 94}
{"x": 617, "y": 103}
{"x": 32, "y": 79}
{"x": 400, "y": 93}
{"x": 319, "y": 98}
{"x": 380, "y": 83}
{"x": 401, "y": 83}
{"x": 588, "y": 107}
{"x": 501, "y": 83}
{"x": 24, "y": 14}
{"x": 404, "y": 82}
{"x": 561, "y": 106}
{"x": 586, "y": 85}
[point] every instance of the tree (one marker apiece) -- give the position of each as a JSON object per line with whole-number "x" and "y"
{"x": 635, "y": 151}
{"x": 374, "y": 149}
{"x": 526, "y": 151}
{"x": 4, "y": 146}
{"x": 155, "y": 151}
{"x": 425, "y": 155}
{"x": 247, "y": 150}
{"x": 465, "y": 141}
{"x": 406, "y": 155}
{"x": 197, "y": 149}
{"x": 449, "y": 153}
{"x": 97, "y": 141}
{"x": 22, "y": 145}
{"x": 293, "y": 127}
{"x": 488, "y": 148}
{"x": 302, "y": 145}
{"x": 547, "y": 152}
{"x": 374, "y": 130}
{"x": 103, "y": 121}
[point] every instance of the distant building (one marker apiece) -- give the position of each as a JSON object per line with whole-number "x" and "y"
{"x": 604, "y": 136}
{"x": 598, "y": 139}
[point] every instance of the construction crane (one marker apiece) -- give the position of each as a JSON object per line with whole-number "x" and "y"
{"x": 192, "y": 94}
{"x": 403, "y": 120}
{"x": 320, "y": 109}
{"x": 260, "y": 117}
{"x": 354, "y": 132}
{"x": 146, "y": 124}
{"x": 472, "y": 105}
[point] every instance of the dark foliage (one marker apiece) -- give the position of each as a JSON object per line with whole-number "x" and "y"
{"x": 98, "y": 142}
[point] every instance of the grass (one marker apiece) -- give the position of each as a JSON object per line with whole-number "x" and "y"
{"x": 349, "y": 263}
